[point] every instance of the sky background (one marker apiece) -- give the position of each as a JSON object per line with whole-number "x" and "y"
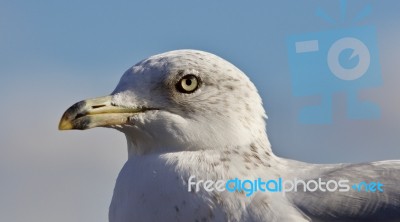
{"x": 55, "y": 53}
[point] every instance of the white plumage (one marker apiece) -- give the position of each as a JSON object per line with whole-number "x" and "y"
{"x": 216, "y": 131}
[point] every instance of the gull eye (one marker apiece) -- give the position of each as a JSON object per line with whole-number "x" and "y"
{"x": 188, "y": 84}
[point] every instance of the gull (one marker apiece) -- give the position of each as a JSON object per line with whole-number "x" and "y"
{"x": 191, "y": 114}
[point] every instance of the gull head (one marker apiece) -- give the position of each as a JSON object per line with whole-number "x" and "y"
{"x": 180, "y": 100}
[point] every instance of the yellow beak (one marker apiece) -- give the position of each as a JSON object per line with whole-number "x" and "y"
{"x": 98, "y": 112}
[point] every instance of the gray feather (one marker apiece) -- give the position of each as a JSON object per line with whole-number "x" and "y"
{"x": 353, "y": 205}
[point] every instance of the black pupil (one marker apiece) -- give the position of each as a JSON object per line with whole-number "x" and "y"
{"x": 188, "y": 82}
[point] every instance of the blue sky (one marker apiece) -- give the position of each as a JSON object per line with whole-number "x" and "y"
{"x": 54, "y": 53}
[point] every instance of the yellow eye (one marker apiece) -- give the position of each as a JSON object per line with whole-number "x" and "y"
{"x": 188, "y": 84}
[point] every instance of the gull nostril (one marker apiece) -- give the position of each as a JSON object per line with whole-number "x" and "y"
{"x": 97, "y": 106}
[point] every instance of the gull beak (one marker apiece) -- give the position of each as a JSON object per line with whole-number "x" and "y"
{"x": 98, "y": 112}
